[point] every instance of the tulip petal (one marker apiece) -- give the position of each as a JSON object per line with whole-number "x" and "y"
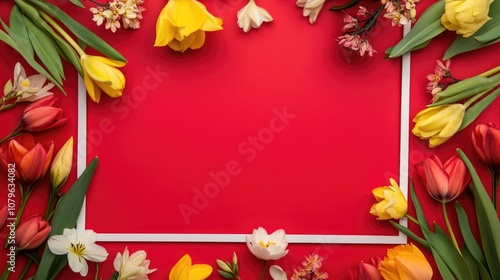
{"x": 59, "y": 244}
{"x": 32, "y": 165}
{"x": 180, "y": 270}
{"x": 199, "y": 272}
{"x": 93, "y": 90}
{"x": 78, "y": 264}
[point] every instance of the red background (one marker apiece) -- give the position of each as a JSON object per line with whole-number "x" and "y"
{"x": 208, "y": 105}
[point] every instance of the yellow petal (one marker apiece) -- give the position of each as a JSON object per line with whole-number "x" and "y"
{"x": 199, "y": 272}
{"x": 165, "y": 31}
{"x": 93, "y": 90}
{"x": 181, "y": 269}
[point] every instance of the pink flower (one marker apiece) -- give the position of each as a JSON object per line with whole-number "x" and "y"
{"x": 444, "y": 182}
{"x": 32, "y": 233}
{"x": 349, "y": 22}
{"x": 41, "y": 115}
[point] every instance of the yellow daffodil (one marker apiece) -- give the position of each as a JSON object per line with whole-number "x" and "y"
{"x": 185, "y": 270}
{"x": 61, "y": 166}
{"x": 182, "y": 25}
{"x": 465, "y": 16}
{"x": 405, "y": 262}
{"x": 100, "y": 73}
{"x": 439, "y": 123}
{"x": 391, "y": 202}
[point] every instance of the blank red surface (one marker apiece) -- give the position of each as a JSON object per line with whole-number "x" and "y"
{"x": 274, "y": 128}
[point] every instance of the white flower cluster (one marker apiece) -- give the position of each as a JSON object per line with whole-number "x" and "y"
{"x": 129, "y": 12}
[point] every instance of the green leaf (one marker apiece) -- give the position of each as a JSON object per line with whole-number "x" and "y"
{"x": 45, "y": 49}
{"x": 489, "y": 35}
{"x": 465, "y": 89}
{"x": 471, "y": 262}
{"x": 65, "y": 216}
{"x": 115, "y": 276}
{"x": 77, "y": 3}
{"x": 418, "y": 208}
{"x": 33, "y": 255}
{"x": 79, "y": 30}
{"x": 26, "y": 55}
{"x": 412, "y": 235}
{"x": 442, "y": 267}
{"x": 475, "y": 110}
{"x": 461, "y": 44}
{"x": 18, "y": 27}
{"x": 443, "y": 245}
{"x": 427, "y": 27}
{"x": 487, "y": 219}
{"x": 468, "y": 236}
{"x": 66, "y": 51}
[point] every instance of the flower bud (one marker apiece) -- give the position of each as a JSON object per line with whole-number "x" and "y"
{"x": 61, "y": 166}
{"x": 391, "y": 202}
{"x": 465, "y": 16}
{"x": 486, "y": 142}
{"x": 41, "y": 115}
{"x": 32, "y": 233}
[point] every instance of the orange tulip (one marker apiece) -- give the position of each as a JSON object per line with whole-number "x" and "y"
{"x": 32, "y": 233}
{"x": 31, "y": 159}
{"x": 405, "y": 262}
{"x": 444, "y": 182}
{"x": 41, "y": 115}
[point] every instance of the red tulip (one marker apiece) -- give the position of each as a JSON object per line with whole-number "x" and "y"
{"x": 486, "y": 141}
{"x": 444, "y": 182}
{"x": 29, "y": 160}
{"x": 41, "y": 115}
{"x": 32, "y": 233}
{"x": 366, "y": 271}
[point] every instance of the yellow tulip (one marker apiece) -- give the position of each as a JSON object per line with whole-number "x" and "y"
{"x": 100, "y": 73}
{"x": 61, "y": 166}
{"x": 405, "y": 262}
{"x": 184, "y": 270}
{"x": 182, "y": 25}
{"x": 391, "y": 202}
{"x": 439, "y": 123}
{"x": 465, "y": 16}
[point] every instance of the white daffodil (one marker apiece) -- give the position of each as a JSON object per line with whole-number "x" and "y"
{"x": 79, "y": 246}
{"x": 311, "y": 8}
{"x": 267, "y": 247}
{"x": 133, "y": 267}
{"x": 252, "y": 16}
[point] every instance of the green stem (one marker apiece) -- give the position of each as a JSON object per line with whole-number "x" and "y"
{"x": 412, "y": 219}
{"x": 24, "y": 199}
{"x": 490, "y": 72}
{"x": 495, "y": 174}
{"x": 263, "y": 270}
{"x": 63, "y": 33}
{"x": 15, "y": 132}
{"x": 25, "y": 269}
{"x": 448, "y": 226}
{"x": 474, "y": 98}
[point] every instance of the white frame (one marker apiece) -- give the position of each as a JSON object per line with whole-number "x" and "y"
{"x": 291, "y": 238}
